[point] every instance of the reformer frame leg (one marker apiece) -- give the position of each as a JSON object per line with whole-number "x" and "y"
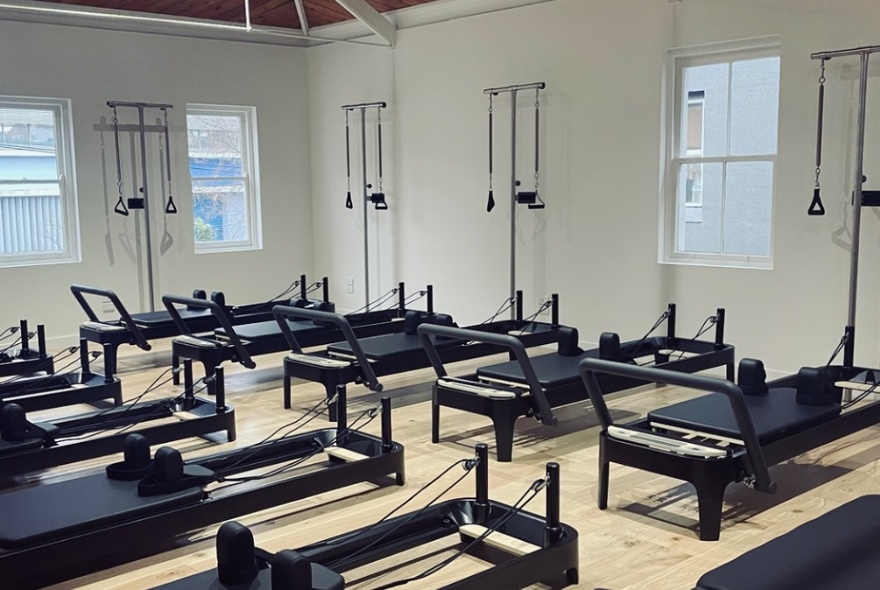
{"x": 435, "y": 416}
{"x": 503, "y": 423}
{"x": 175, "y": 364}
{"x": 710, "y": 499}
{"x": 287, "y": 386}
{"x": 604, "y": 476}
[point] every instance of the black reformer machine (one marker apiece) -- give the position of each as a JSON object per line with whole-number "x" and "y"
{"x": 240, "y": 344}
{"x": 837, "y": 550}
{"x": 19, "y": 358}
{"x": 736, "y": 432}
{"x": 364, "y": 360}
{"x": 29, "y": 444}
{"x": 41, "y": 391}
{"x": 534, "y": 386}
{"x": 57, "y": 531}
{"x": 522, "y": 548}
{"x": 138, "y": 329}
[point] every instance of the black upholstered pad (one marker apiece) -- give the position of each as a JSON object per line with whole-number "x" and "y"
{"x": 775, "y": 415}
{"x": 161, "y": 318}
{"x": 836, "y": 551}
{"x": 553, "y": 370}
{"x": 322, "y": 579}
{"x": 42, "y": 513}
{"x": 267, "y": 330}
{"x": 387, "y": 346}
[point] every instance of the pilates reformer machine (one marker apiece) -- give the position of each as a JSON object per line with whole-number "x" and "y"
{"x": 18, "y": 358}
{"x": 534, "y": 386}
{"x": 240, "y": 344}
{"x": 364, "y": 360}
{"x": 28, "y": 443}
{"x": 138, "y": 329}
{"x": 140, "y": 506}
{"x": 736, "y": 432}
{"x": 41, "y": 391}
{"x": 835, "y": 551}
{"x": 521, "y": 548}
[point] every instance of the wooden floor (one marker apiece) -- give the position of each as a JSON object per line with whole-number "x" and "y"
{"x": 646, "y": 539}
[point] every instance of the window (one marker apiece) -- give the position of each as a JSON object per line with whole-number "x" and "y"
{"x": 721, "y": 156}
{"x": 38, "y": 215}
{"x": 222, "y": 142}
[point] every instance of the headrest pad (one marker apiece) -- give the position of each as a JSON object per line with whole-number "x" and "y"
{"x": 815, "y": 386}
{"x": 752, "y": 378}
{"x": 236, "y": 557}
{"x": 14, "y": 425}
{"x": 567, "y": 341}
{"x": 291, "y": 570}
{"x": 609, "y": 346}
{"x": 219, "y": 298}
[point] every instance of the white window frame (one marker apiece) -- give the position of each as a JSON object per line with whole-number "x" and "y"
{"x": 251, "y": 180}
{"x": 66, "y": 165}
{"x": 676, "y": 108}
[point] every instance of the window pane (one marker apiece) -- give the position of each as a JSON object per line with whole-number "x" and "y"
{"x": 747, "y": 208}
{"x": 31, "y": 219}
{"x": 706, "y": 86}
{"x": 27, "y": 144}
{"x": 214, "y": 136}
{"x": 220, "y": 211}
{"x": 699, "y": 227}
{"x": 754, "y": 106}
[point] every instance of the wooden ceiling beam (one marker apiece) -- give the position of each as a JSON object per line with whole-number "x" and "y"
{"x": 372, "y": 18}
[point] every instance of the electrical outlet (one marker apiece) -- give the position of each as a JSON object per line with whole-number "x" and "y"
{"x": 349, "y": 286}
{"x": 107, "y": 306}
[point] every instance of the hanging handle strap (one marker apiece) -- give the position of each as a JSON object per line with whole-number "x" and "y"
{"x": 539, "y": 202}
{"x": 120, "y": 208}
{"x": 379, "y": 137}
{"x": 491, "y": 203}
{"x": 170, "y": 207}
{"x": 348, "y": 203}
{"x": 816, "y": 207}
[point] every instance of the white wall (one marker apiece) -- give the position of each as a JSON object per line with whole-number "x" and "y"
{"x": 92, "y": 66}
{"x": 596, "y": 243}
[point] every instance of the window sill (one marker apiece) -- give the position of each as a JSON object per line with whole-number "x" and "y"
{"x": 220, "y": 249}
{"x": 739, "y": 262}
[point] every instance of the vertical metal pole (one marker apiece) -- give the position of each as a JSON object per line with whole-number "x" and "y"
{"x": 387, "y": 442}
{"x": 482, "y": 477}
{"x": 23, "y": 330}
{"x": 553, "y": 527}
{"x": 341, "y": 412}
{"x": 146, "y": 193}
{"x": 512, "y": 197}
{"x": 366, "y": 209}
{"x": 857, "y": 203}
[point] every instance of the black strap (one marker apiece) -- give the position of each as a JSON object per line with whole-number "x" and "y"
{"x": 120, "y": 207}
{"x": 491, "y": 203}
{"x": 816, "y": 207}
{"x": 348, "y": 203}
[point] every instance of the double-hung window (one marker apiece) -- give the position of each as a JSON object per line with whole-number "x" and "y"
{"x": 222, "y": 147}
{"x": 722, "y": 123}
{"x": 38, "y": 208}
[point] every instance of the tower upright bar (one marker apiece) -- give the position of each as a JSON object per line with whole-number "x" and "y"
{"x": 141, "y": 107}
{"x": 858, "y": 175}
{"x": 513, "y": 90}
{"x": 362, "y": 107}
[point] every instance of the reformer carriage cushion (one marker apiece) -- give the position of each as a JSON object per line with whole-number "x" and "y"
{"x": 837, "y": 550}
{"x": 552, "y": 370}
{"x": 42, "y": 513}
{"x": 269, "y": 330}
{"x": 389, "y": 346}
{"x": 153, "y": 319}
{"x": 774, "y": 415}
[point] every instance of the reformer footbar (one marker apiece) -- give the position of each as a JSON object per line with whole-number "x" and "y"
{"x": 125, "y": 514}
{"x": 532, "y": 387}
{"x": 520, "y": 548}
{"x": 363, "y": 360}
{"x": 240, "y": 344}
{"x": 27, "y": 445}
